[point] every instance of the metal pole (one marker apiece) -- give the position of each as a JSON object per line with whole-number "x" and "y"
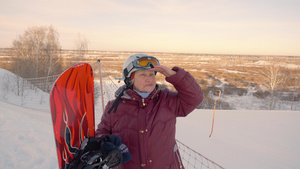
{"x": 101, "y": 85}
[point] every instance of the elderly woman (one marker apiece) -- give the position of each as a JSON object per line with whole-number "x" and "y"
{"x": 145, "y": 117}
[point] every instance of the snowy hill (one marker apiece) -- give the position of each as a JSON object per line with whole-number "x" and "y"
{"x": 16, "y": 90}
{"x": 27, "y": 139}
{"x": 241, "y": 139}
{"x": 244, "y": 139}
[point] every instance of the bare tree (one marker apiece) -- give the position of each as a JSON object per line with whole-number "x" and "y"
{"x": 272, "y": 77}
{"x": 5, "y": 85}
{"x": 294, "y": 88}
{"x": 36, "y": 53}
{"x": 81, "y": 47}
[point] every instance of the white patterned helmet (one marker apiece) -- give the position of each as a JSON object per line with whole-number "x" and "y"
{"x": 137, "y": 62}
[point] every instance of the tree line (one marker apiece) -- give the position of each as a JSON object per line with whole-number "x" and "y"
{"x": 37, "y": 52}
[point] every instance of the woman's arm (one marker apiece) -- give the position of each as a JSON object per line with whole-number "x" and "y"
{"x": 189, "y": 94}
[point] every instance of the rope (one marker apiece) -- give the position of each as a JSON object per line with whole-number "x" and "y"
{"x": 212, "y": 127}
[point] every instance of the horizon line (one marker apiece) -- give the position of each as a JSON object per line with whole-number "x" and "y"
{"x": 182, "y": 53}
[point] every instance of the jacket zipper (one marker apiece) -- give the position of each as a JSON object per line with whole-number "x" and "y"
{"x": 143, "y": 132}
{"x": 178, "y": 157}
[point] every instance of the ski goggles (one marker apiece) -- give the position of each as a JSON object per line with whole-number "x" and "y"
{"x": 145, "y": 62}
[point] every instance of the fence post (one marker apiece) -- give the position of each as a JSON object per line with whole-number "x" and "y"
{"x": 101, "y": 85}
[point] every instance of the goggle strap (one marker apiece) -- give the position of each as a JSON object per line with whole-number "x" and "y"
{"x": 129, "y": 68}
{"x": 125, "y": 72}
{"x": 150, "y": 65}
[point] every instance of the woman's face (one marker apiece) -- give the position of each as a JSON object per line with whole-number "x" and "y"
{"x": 144, "y": 81}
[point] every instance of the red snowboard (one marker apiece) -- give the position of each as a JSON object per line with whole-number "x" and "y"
{"x": 72, "y": 109}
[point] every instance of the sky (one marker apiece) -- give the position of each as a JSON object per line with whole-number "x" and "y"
{"x": 258, "y": 27}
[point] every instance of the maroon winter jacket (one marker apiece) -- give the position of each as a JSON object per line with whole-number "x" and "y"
{"x": 147, "y": 126}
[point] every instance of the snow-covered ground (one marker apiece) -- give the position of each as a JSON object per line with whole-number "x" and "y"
{"x": 242, "y": 138}
{"x": 26, "y": 138}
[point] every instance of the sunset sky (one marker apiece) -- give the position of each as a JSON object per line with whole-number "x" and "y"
{"x": 266, "y": 27}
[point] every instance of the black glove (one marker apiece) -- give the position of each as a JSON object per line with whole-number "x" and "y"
{"x": 111, "y": 143}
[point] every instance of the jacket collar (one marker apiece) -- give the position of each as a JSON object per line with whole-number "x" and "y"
{"x": 132, "y": 95}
